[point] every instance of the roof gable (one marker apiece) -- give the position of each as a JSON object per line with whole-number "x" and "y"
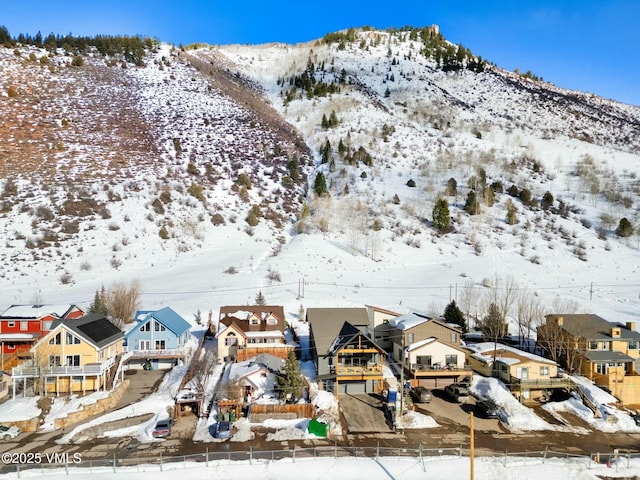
{"x": 170, "y": 319}
{"x": 95, "y": 329}
{"x": 592, "y": 327}
{"x": 36, "y": 312}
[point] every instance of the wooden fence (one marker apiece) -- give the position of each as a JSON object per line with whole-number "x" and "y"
{"x": 293, "y": 410}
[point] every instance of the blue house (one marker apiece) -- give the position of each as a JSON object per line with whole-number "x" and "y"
{"x": 158, "y": 339}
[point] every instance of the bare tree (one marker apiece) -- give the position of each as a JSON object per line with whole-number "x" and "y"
{"x": 530, "y": 312}
{"x": 201, "y": 369}
{"x": 502, "y": 295}
{"x": 551, "y": 340}
{"x": 469, "y": 302}
{"x": 122, "y": 301}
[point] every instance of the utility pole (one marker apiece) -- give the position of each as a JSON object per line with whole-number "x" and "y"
{"x": 402, "y": 375}
{"x": 472, "y": 446}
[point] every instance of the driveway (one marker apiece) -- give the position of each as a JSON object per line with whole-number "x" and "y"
{"x": 363, "y": 413}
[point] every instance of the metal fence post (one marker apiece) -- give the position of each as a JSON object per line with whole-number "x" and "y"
{"x": 18, "y": 469}
{"x": 335, "y": 449}
{"x": 378, "y": 450}
{"x": 294, "y": 453}
{"x": 114, "y": 462}
{"x": 505, "y": 458}
{"x": 206, "y": 461}
{"x": 161, "y": 461}
{"x": 250, "y": 455}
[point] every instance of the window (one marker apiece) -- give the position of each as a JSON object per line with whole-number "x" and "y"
{"x": 46, "y": 325}
{"x": 410, "y": 338}
{"x": 56, "y": 339}
{"x": 451, "y": 360}
{"x": 254, "y": 320}
{"x": 454, "y": 337}
{"x": 544, "y": 371}
{"x": 160, "y": 345}
{"x": 601, "y": 368}
{"x": 72, "y": 339}
{"x": 271, "y": 320}
{"x": 11, "y": 346}
{"x": 146, "y": 327}
{"x": 231, "y": 340}
{"x": 24, "y": 326}
{"x": 424, "y": 360}
{"x": 54, "y": 360}
{"x": 145, "y": 344}
{"x": 73, "y": 361}
{"x": 11, "y": 324}
{"x": 158, "y": 327}
{"x": 593, "y": 345}
{"x": 605, "y": 345}
{"x": 633, "y": 344}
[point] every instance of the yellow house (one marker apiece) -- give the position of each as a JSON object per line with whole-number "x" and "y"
{"x": 76, "y": 355}
{"x": 527, "y": 375}
{"x": 607, "y": 352}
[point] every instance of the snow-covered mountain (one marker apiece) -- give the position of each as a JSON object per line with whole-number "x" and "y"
{"x": 196, "y": 173}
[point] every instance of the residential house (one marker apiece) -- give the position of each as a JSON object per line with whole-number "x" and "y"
{"x": 346, "y": 359}
{"x": 22, "y": 325}
{"x": 255, "y": 378}
{"x": 246, "y": 331}
{"x": 379, "y": 327}
{"x": 432, "y": 363}
{"x": 158, "y": 339}
{"x": 527, "y": 375}
{"x": 608, "y": 352}
{"x": 76, "y": 355}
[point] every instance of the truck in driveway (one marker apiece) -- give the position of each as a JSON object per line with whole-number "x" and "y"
{"x": 458, "y": 392}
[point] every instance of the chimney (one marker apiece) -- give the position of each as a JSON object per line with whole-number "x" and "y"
{"x": 615, "y": 332}
{"x": 631, "y": 326}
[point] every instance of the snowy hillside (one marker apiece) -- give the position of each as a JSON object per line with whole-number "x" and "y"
{"x": 394, "y": 119}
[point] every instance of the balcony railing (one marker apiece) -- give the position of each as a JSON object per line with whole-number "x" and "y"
{"x": 90, "y": 369}
{"x": 372, "y": 369}
{"x": 166, "y": 352}
{"x": 417, "y": 367}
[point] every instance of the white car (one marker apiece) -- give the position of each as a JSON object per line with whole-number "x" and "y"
{"x": 8, "y": 432}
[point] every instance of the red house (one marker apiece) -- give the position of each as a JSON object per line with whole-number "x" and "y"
{"x": 22, "y": 325}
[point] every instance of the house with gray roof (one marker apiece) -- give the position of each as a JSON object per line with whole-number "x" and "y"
{"x": 158, "y": 339}
{"x": 346, "y": 359}
{"x": 76, "y": 355}
{"x": 608, "y": 353}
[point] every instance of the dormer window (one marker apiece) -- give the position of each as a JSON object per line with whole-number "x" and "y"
{"x": 271, "y": 320}
{"x": 254, "y": 320}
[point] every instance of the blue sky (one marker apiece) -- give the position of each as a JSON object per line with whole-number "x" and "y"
{"x": 586, "y": 45}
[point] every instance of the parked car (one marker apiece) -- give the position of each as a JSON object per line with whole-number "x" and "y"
{"x": 457, "y": 392}
{"x": 162, "y": 428}
{"x": 487, "y": 409}
{"x": 7, "y": 432}
{"x": 420, "y": 395}
{"x": 223, "y": 429}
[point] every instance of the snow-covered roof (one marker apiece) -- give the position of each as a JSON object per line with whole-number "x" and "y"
{"x": 484, "y": 351}
{"x": 16, "y": 337}
{"x": 410, "y": 320}
{"x": 35, "y": 311}
{"x": 166, "y": 316}
{"x": 264, "y": 334}
{"x": 421, "y": 343}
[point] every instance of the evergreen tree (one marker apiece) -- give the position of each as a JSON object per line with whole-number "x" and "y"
{"x": 99, "y": 304}
{"x": 511, "y": 217}
{"x": 324, "y": 123}
{"x": 452, "y": 314}
{"x": 333, "y": 119}
{"x": 525, "y": 196}
{"x": 471, "y": 205}
{"x": 547, "y": 201}
{"x": 441, "y": 216}
{"x": 291, "y": 382}
{"x": 320, "y": 185}
{"x": 493, "y": 325}
{"x": 452, "y": 187}
{"x": 625, "y": 229}
{"x": 260, "y": 300}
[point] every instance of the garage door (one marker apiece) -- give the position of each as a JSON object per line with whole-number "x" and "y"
{"x": 439, "y": 382}
{"x": 353, "y": 387}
